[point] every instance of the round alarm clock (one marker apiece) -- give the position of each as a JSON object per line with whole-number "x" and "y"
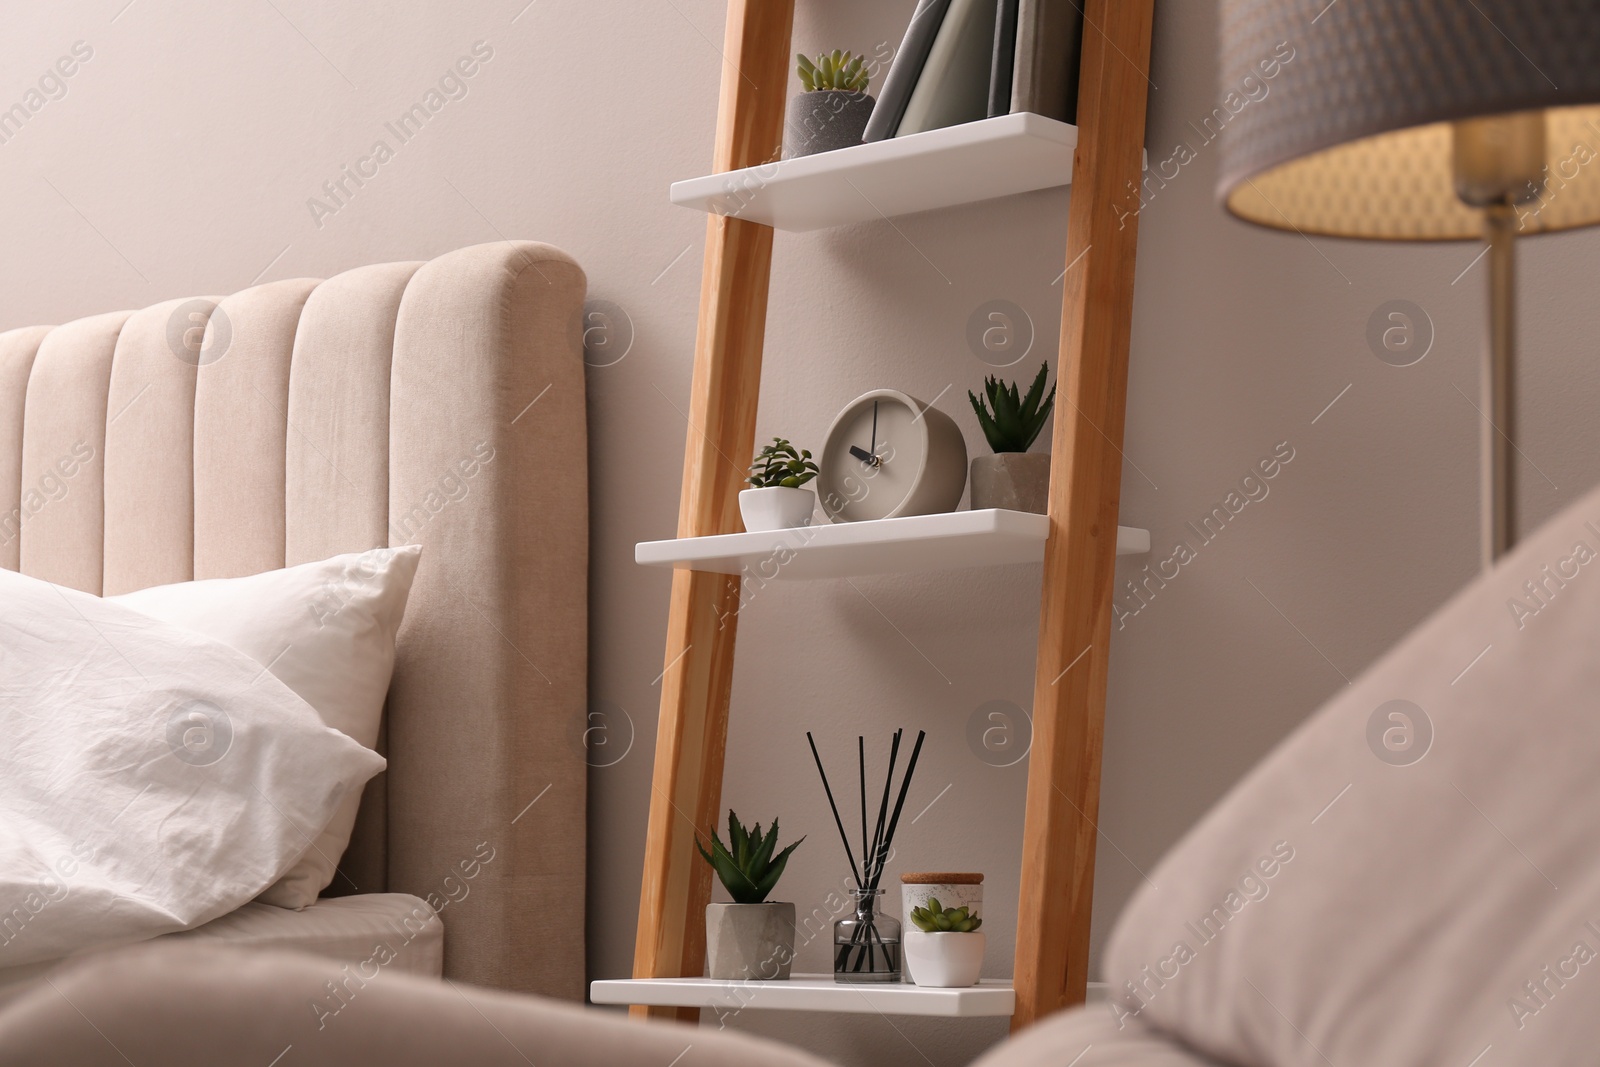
{"x": 889, "y": 454}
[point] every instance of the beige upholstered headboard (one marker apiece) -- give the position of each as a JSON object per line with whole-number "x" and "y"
{"x": 440, "y": 403}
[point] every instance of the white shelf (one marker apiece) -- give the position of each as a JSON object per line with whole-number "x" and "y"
{"x": 880, "y": 546}
{"x": 818, "y": 992}
{"x": 940, "y": 168}
{"x": 810, "y": 992}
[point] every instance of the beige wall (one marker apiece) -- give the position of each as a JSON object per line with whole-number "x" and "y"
{"x": 181, "y": 159}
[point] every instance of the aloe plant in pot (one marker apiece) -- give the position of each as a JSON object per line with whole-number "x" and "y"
{"x": 752, "y": 938}
{"x": 833, "y": 110}
{"x": 1012, "y": 478}
{"x": 777, "y": 497}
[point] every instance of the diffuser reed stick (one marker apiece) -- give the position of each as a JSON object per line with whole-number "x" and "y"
{"x": 861, "y": 756}
{"x": 837, "y": 821}
{"x": 894, "y": 821}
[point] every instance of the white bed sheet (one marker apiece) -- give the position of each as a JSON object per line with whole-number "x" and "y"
{"x": 372, "y": 932}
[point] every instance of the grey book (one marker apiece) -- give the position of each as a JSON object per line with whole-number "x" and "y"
{"x": 954, "y": 85}
{"x": 903, "y": 72}
{"x": 1049, "y": 40}
{"x": 1005, "y": 57}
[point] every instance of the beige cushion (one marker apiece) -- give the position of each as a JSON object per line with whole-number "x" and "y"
{"x": 149, "y": 460}
{"x": 486, "y": 712}
{"x": 240, "y": 431}
{"x": 63, "y": 453}
{"x": 1089, "y": 1037}
{"x": 17, "y": 349}
{"x": 1350, "y": 903}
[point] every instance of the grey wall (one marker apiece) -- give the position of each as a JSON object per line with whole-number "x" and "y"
{"x": 181, "y": 160}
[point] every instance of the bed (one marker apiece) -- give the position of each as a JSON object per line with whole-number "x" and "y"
{"x": 300, "y": 419}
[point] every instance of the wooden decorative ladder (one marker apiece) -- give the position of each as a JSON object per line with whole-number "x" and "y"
{"x": 1058, "y": 852}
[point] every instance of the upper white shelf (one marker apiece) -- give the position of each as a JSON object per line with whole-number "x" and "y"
{"x": 940, "y": 168}
{"x": 880, "y": 546}
{"x": 810, "y": 992}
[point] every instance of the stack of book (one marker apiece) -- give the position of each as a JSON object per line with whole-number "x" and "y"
{"x": 963, "y": 60}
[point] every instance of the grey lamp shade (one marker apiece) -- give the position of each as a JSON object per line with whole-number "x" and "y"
{"x": 1350, "y": 134}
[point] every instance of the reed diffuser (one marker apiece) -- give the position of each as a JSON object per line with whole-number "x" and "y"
{"x": 867, "y": 944}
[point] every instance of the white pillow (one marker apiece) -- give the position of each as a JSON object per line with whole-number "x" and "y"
{"x": 327, "y": 631}
{"x": 152, "y": 779}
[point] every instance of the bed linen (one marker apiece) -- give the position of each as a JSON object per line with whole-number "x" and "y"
{"x": 391, "y": 933}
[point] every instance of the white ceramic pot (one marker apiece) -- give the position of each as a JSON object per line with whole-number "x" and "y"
{"x": 944, "y": 960}
{"x": 776, "y": 507}
{"x": 747, "y": 942}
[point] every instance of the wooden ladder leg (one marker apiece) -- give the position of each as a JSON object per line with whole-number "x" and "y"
{"x": 691, "y": 735}
{"x": 1063, "y": 798}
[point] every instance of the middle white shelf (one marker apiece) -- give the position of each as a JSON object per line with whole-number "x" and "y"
{"x": 881, "y": 546}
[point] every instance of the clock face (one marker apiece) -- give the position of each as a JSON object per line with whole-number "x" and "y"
{"x": 889, "y": 454}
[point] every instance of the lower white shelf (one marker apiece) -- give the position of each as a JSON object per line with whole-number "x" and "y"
{"x": 880, "y": 546}
{"x": 810, "y": 992}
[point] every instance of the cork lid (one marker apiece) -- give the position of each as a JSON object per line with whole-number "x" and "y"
{"x": 941, "y": 878}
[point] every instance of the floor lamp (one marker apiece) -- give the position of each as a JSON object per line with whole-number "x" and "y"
{"x": 1421, "y": 120}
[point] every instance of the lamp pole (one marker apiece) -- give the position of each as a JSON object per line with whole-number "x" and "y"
{"x": 1497, "y": 511}
{"x": 1498, "y": 163}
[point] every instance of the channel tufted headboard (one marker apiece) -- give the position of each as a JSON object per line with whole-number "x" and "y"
{"x": 440, "y": 403}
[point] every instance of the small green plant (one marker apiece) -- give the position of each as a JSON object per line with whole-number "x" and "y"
{"x": 781, "y": 464}
{"x": 1010, "y": 421}
{"x": 840, "y": 70}
{"x": 935, "y": 920}
{"x": 746, "y": 866}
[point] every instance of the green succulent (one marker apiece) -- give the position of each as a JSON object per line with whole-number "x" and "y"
{"x": 746, "y": 866}
{"x": 1010, "y": 421}
{"x": 839, "y": 70}
{"x": 935, "y": 920}
{"x": 781, "y": 464}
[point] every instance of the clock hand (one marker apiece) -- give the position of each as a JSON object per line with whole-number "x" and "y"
{"x": 864, "y": 456}
{"x": 874, "y": 448}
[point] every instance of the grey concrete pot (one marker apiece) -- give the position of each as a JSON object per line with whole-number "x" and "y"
{"x": 1017, "y": 481}
{"x": 823, "y": 120}
{"x": 749, "y": 941}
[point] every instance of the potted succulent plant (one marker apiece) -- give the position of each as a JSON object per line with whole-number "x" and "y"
{"x": 777, "y": 499}
{"x": 945, "y": 951}
{"x": 752, "y": 938}
{"x": 1012, "y": 478}
{"x": 833, "y": 110}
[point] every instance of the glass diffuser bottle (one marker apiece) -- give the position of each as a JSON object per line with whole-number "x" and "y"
{"x": 866, "y": 946}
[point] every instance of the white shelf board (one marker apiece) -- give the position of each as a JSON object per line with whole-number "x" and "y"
{"x": 940, "y": 168}
{"x": 810, "y": 992}
{"x": 879, "y": 546}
